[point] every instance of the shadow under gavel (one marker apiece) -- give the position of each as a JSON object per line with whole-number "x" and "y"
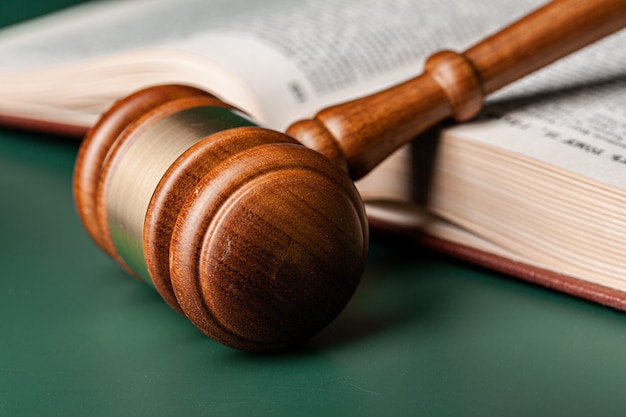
{"x": 261, "y": 241}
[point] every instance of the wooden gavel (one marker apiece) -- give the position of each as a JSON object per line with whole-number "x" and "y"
{"x": 261, "y": 241}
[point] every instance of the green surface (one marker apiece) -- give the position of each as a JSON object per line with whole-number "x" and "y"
{"x": 424, "y": 335}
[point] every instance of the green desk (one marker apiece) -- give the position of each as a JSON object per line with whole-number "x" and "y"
{"x": 424, "y": 336}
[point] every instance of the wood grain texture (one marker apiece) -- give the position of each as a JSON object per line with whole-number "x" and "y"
{"x": 286, "y": 228}
{"x": 261, "y": 241}
{"x": 100, "y": 139}
{"x": 269, "y": 247}
{"x": 116, "y": 155}
{"x": 364, "y": 132}
{"x": 554, "y": 31}
{"x": 176, "y": 187}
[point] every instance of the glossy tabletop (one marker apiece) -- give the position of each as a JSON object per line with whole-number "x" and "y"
{"x": 425, "y": 335}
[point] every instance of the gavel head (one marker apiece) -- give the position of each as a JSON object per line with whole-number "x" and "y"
{"x": 258, "y": 240}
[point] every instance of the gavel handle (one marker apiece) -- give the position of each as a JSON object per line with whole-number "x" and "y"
{"x": 360, "y": 134}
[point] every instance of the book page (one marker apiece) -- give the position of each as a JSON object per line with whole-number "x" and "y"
{"x": 100, "y": 28}
{"x": 571, "y": 115}
{"x": 336, "y": 50}
{"x": 296, "y": 56}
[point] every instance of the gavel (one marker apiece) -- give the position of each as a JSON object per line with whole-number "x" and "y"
{"x": 259, "y": 237}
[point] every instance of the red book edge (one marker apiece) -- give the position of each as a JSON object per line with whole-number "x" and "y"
{"x": 43, "y": 126}
{"x": 563, "y": 283}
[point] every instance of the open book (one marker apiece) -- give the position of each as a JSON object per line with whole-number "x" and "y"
{"x": 535, "y": 187}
